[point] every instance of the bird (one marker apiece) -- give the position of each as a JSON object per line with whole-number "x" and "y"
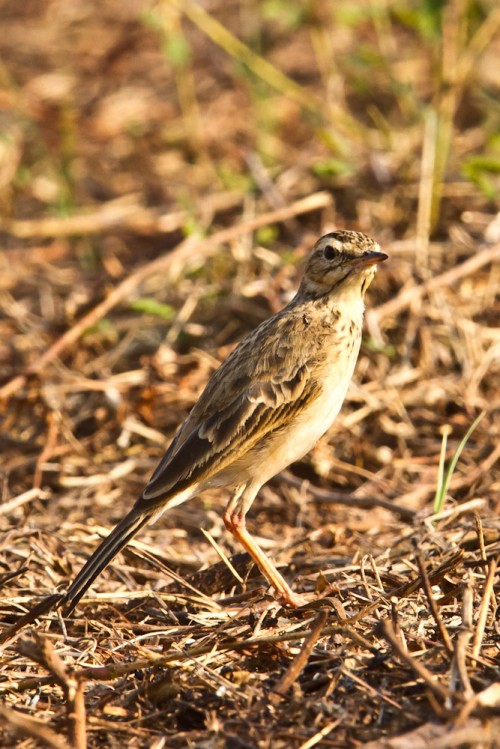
{"x": 264, "y": 408}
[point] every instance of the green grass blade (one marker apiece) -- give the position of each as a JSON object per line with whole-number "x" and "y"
{"x": 439, "y": 497}
{"x": 453, "y": 463}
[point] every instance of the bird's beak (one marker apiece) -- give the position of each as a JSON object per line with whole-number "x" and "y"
{"x": 370, "y": 258}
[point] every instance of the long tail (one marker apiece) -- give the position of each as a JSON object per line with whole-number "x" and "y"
{"x": 102, "y": 556}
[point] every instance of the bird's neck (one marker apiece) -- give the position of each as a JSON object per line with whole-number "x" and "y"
{"x": 345, "y": 298}
{"x": 332, "y": 308}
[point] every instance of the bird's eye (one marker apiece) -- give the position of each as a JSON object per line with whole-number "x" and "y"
{"x": 329, "y": 252}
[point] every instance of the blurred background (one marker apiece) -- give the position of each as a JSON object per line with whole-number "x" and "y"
{"x": 164, "y": 169}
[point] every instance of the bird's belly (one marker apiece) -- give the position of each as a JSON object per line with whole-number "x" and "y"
{"x": 292, "y": 443}
{"x": 312, "y": 424}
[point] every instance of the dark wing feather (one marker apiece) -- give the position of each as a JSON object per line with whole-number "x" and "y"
{"x": 253, "y": 393}
{"x": 217, "y": 442}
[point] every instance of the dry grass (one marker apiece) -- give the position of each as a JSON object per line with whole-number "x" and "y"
{"x": 163, "y": 171}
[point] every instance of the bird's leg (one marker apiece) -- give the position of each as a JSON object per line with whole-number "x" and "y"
{"x": 234, "y": 520}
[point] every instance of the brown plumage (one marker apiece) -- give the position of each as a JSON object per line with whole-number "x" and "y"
{"x": 265, "y": 407}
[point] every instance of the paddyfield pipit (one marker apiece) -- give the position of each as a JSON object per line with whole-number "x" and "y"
{"x": 266, "y": 406}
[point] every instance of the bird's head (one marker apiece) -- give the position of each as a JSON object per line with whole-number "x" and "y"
{"x": 342, "y": 262}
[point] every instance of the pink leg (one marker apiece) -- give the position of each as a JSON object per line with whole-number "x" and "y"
{"x": 234, "y": 520}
